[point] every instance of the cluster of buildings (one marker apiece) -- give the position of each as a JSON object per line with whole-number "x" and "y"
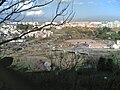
{"x": 112, "y": 24}
{"x": 88, "y": 43}
{"x": 8, "y": 31}
{"x": 42, "y": 34}
{"x": 25, "y": 23}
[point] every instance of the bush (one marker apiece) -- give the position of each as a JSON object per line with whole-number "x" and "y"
{"x": 6, "y": 61}
{"x": 105, "y": 64}
{"x": 109, "y": 65}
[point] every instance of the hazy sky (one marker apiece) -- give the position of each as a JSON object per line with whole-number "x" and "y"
{"x": 88, "y": 10}
{"x": 85, "y": 10}
{"x": 97, "y": 9}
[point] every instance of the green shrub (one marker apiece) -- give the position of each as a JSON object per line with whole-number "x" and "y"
{"x": 105, "y": 64}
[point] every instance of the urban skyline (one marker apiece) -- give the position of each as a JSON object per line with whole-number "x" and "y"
{"x": 94, "y": 24}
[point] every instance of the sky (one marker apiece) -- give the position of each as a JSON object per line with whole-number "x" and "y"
{"x": 85, "y": 10}
{"x": 93, "y": 10}
{"x": 97, "y": 10}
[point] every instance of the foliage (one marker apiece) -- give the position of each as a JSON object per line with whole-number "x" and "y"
{"x": 6, "y": 61}
{"x": 24, "y": 27}
{"x": 64, "y": 60}
{"x": 116, "y": 58}
{"x": 92, "y": 33}
{"x": 105, "y": 64}
{"x": 119, "y": 32}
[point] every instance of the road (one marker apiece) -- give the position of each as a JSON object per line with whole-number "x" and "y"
{"x": 82, "y": 51}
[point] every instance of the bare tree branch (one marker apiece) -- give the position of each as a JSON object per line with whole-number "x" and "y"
{"x": 59, "y": 13}
{"x": 17, "y": 7}
{"x": 2, "y": 1}
{"x": 36, "y": 6}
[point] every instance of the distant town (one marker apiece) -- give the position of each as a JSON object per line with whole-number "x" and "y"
{"x": 96, "y": 24}
{"x": 9, "y": 30}
{"x": 13, "y": 29}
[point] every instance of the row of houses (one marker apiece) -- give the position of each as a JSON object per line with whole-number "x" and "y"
{"x": 112, "y": 24}
{"x": 96, "y": 24}
{"x": 88, "y": 43}
{"x": 10, "y": 31}
{"x": 42, "y": 34}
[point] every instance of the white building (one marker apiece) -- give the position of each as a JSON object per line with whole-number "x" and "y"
{"x": 115, "y": 46}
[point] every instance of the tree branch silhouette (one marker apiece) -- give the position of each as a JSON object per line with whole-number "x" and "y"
{"x": 17, "y": 9}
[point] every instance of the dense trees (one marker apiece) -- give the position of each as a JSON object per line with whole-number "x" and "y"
{"x": 25, "y": 27}
{"x": 92, "y": 33}
{"x": 105, "y": 64}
